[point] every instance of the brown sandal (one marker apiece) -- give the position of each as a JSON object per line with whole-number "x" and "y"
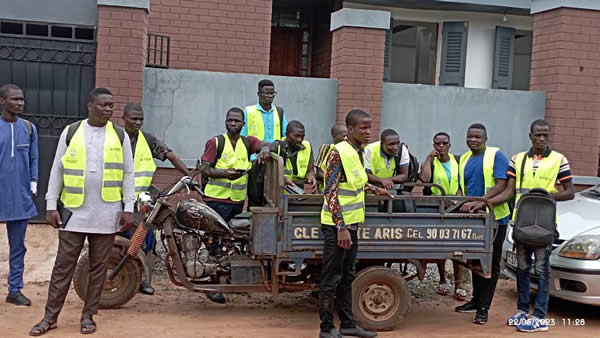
{"x": 41, "y": 328}
{"x": 88, "y": 326}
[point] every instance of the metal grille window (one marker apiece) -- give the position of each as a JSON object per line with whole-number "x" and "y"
{"x": 159, "y": 46}
{"x": 46, "y": 30}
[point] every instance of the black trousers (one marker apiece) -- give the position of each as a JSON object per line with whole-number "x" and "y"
{"x": 483, "y": 288}
{"x": 337, "y": 276}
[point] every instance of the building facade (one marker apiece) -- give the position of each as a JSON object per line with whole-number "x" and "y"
{"x": 419, "y": 67}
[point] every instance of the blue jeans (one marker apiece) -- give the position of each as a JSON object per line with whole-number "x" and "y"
{"x": 16, "y": 241}
{"x": 226, "y": 210}
{"x": 542, "y": 269}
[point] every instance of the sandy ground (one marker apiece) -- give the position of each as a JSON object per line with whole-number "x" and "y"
{"x": 176, "y": 312}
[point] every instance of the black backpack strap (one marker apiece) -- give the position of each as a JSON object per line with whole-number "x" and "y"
{"x": 220, "y": 146}
{"x": 432, "y": 167}
{"x": 397, "y": 160}
{"x": 247, "y": 145}
{"x": 280, "y": 113}
{"x": 71, "y": 129}
{"x": 520, "y": 185}
{"x": 29, "y": 129}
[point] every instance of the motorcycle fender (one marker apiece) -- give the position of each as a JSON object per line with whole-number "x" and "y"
{"x": 123, "y": 244}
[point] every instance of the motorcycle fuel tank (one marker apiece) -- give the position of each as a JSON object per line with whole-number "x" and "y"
{"x": 197, "y": 215}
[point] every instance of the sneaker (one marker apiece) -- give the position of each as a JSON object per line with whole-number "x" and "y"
{"x": 481, "y": 317}
{"x": 533, "y": 324}
{"x": 518, "y": 318}
{"x": 468, "y": 307}
{"x": 18, "y": 299}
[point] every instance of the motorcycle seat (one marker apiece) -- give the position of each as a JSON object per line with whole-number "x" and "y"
{"x": 240, "y": 223}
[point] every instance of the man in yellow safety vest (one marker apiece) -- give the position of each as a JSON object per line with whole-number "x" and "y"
{"x": 482, "y": 172}
{"x": 441, "y": 167}
{"x": 387, "y": 160}
{"x": 264, "y": 120}
{"x": 540, "y": 167}
{"x": 146, "y": 147}
{"x": 343, "y": 211}
{"x": 93, "y": 177}
{"x": 298, "y": 156}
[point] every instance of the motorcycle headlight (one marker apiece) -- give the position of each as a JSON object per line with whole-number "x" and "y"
{"x": 582, "y": 247}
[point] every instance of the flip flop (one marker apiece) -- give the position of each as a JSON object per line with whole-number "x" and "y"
{"x": 441, "y": 290}
{"x": 460, "y": 295}
{"x": 41, "y": 328}
{"x": 88, "y": 326}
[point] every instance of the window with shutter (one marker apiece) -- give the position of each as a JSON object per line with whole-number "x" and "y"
{"x": 454, "y": 50}
{"x": 411, "y": 52}
{"x": 503, "y": 58}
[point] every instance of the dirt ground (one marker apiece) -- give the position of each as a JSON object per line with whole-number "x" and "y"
{"x": 176, "y": 312}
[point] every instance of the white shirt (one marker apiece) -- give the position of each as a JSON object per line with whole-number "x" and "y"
{"x": 94, "y": 215}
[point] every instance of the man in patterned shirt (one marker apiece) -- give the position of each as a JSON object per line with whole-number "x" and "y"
{"x": 343, "y": 211}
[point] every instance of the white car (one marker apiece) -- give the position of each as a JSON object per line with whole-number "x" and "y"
{"x": 575, "y": 259}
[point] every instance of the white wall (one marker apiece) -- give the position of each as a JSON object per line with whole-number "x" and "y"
{"x": 480, "y": 44}
{"x": 480, "y": 55}
{"x": 417, "y": 112}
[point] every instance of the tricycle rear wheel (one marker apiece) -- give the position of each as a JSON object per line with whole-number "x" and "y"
{"x": 117, "y": 292}
{"x": 380, "y": 298}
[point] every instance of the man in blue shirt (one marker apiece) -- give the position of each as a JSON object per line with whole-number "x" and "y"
{"x": 481, "y": 161}
{"x": 18, "y": 183}
{"x": 266, "y": 125}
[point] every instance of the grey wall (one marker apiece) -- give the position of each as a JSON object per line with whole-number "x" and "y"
{"x": 417, "y": 112}
{"x": 77, "y": 12}
{"x": 186, "y": 107}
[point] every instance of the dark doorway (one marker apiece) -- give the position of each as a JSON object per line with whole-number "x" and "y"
{"x": 56, "y": 76}
{"x": 286, "y": 51}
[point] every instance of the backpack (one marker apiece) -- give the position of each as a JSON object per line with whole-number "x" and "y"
{"x": 535, "y": 222}
{"x": 413, "y": 167}
{"x": 29, "y": 130}
{"x": 75, "y": 125}
{"x": 256, "y": 185}
{"x": 280, "y": 113}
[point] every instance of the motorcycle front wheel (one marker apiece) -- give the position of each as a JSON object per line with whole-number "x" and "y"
{"x": 117, "y": 292}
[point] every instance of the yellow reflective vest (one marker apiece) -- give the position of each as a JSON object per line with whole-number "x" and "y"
{"x": 302, "y": 162}
{"x": 545, "y": 176}
{"x": 144, "y": 164}
{"x": 351, "y": 194}
{"x": 74, "y": 166}
{"x": 501, "y": 210}
{"x": 237, "y": 158}
{"x": 439, "y": 177}
{"x": 378, "y": 162}
{"x": 256, "y": 125}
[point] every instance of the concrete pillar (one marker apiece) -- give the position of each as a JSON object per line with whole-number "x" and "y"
{"x": 358, "y": 51}
{"x": 121, "y": 54}
{"x": 566, "y": 65}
